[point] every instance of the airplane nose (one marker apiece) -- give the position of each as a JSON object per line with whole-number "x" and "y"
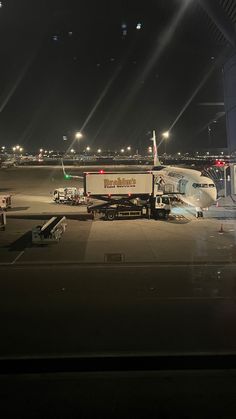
{"x": 209, "y": 197}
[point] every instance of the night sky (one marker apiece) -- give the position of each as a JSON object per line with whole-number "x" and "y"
{"x": 113, "y": 69}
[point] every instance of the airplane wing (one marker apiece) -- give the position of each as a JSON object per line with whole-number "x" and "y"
{"x": 67, "y": 176}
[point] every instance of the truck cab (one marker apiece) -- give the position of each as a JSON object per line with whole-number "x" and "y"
{"x": 162, "y": 206}
{"x": 5, "y": 202}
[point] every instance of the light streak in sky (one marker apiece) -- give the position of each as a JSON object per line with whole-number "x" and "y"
{"x": 98, "y": 102}
{"x": 196, "y": 90}
{"x": 4, "y": 100}
{"x": 163, "y": 40}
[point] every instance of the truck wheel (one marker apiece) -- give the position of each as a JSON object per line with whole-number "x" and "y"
{"x": 161, "y": 214}
{"x": 110, "y": 215}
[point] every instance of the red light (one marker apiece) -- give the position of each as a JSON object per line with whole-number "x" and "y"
{"x": 101, "y": 171}
{"x": 129, "y": 194}
{"x": 219, "y": 163}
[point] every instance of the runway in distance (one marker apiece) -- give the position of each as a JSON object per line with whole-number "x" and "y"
{"x": 189, "y": 185}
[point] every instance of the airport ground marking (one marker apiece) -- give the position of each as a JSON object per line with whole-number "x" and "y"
{"x": 17, "y": 257}
{"x": 124, "y": 265}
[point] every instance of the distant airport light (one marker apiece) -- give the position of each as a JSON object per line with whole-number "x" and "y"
{"x": 99, "y": 150}
{"x": 166, "y": 134}
{"x": 14, "y": 148}
{"x": 122, "y": 150}
{"x": 179, "y": 154}
{"x": 128, "y": 148}
{"x": 17, "y": 147}
{"x": 78, "y": 135}
{"x": 21, "y": 149}
{"x": 220, "y": 163}
{"x": 72, "y": 150}
{"x": 88, "y": 148}
{"x": 41, "y": 150}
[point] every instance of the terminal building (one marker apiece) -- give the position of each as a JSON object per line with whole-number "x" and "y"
{"x": 222, "y": 23}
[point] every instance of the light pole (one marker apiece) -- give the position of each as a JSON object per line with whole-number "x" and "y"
{"x": 17, "y": 149}
{"x": 78, "y": 136}
{"x": 165, "y": 136}
{"x": 225, "y": 184}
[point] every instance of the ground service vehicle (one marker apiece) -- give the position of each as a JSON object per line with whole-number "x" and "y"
{"x": 2, "y": 220}
{"x": 5, "y": 202}
{"x": 71, "y": 196}
{"x": 126, "y": 195}
{"x": 50, "y": 232}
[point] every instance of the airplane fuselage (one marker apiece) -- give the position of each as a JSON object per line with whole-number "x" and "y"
{"x": 191, "y": 187}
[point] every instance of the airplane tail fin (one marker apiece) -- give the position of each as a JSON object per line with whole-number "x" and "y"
{"x": 63, "y": 167}
{"x": 66, "y": 176}
{"x": 155, "y": 153}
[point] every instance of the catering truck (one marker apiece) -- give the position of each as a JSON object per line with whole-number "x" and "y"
{"x": 126, "y": 194}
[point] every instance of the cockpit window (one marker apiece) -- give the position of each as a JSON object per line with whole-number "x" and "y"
{"x": 165, "y": 200}
{"x": 203, "y": 185}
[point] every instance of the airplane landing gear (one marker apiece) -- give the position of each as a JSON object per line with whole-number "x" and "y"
{"x": 199, "y": 213}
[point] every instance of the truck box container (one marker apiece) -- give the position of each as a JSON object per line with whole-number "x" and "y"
{"x": 120, "y": 184}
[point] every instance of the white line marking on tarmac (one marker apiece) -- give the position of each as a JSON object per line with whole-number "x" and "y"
{"x": 18, "y": 257}
{"x": 101, "y": 265}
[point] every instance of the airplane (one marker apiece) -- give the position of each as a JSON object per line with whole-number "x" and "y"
{"x": 189, "y": 185}
{"x": 10, "y": 162}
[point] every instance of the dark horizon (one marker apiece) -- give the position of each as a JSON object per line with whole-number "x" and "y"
{"x": 114, "y": 71}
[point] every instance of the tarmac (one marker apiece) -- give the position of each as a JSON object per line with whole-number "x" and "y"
{"x": 181, "y": 239}
{"x": 113, "y": 287}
